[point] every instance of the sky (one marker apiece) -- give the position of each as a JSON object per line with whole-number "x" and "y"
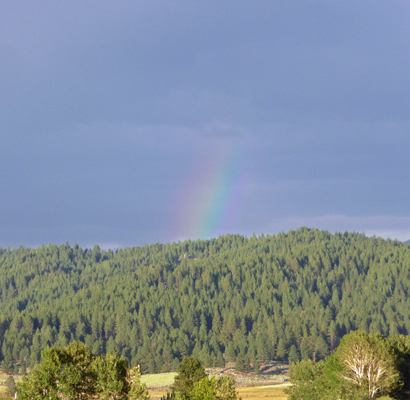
{"x": 124, "y": 123}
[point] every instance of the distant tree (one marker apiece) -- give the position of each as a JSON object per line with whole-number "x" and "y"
{"x": 230, "y": 352}
{"x": 220, "y": 362}
{"x": 293, "y": 355}
{"x": 281, "y": 349}
{"x": 321, "y": 348}
{"x": 7, "y": 364}
{"x": 256, "y": 366}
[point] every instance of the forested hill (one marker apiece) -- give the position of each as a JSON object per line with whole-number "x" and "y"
{"x": 255, "y": 298}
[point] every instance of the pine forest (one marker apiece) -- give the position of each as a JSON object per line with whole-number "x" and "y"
{"x": 290, "y": 296}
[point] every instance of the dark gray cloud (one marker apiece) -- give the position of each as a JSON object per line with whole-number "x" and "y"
{"x": 106, "y": 109}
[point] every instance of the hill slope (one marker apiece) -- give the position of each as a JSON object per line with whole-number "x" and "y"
{"x": 255, "y": 298}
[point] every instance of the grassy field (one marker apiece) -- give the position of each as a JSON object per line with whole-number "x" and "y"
{"x": 157, "y": 386}
{"x": 154, "y": 381}
{"x": 3, "y": 378}
{"x": 271, "y": 392}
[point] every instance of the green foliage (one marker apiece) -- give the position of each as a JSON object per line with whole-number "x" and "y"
{"x": 192, "y": 383}
{"x": 305, "y": 378}
{"x": 73, "y": 372}
{"x": 7, "y": 364}
{"x": 293, "y": 355}
{"x": 225, "y": 388}
{"x": 214, "y": 389}
{"x": 400, "y": 346}
{"x": 243, "y": 297}
{"x": 368, "y": 363}
{"x": 190, "y": 372}
{"x": 138, "y": 390}
{"x": 111, "y": 376}
{"x": 205, "y": 389}
{"x": 73, "y": 366}
{"x": 11, "y": 386}
{"x": 364, "y": 366}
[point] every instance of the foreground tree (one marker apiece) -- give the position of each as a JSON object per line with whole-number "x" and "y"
{"x": 363, "y": 367}
{"x": 192, "y": 383}
{"x": 76, "y": 378}
{"x": 111, "y": 372}
{"x": 190, "y": 372}
{"x": 74, "y": 373}
{"x": 368, "y": 363}
{"x": 400, "y": 345}
{"x": 138, "y": 390}
{"x": 214, "y": 389}
{"x": 306, "y": 379}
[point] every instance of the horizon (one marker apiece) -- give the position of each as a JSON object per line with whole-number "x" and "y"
{"x": 114, "y": 247}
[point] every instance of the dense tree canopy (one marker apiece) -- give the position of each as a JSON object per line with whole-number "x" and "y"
{"x": 286, "y": 296}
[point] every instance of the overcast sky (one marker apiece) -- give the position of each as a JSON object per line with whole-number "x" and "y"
{"x": 131, "y": 122}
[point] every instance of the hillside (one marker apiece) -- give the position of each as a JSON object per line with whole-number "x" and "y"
{"x": 232, "y": 298}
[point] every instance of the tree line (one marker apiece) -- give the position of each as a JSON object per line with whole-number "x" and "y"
{"x": 290, "y": 296}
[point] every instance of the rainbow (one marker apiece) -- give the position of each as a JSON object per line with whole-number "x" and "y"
{"x": 211, "y": 201}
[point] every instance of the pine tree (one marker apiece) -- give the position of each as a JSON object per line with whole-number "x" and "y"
{"x": 293, "y": 355}
{"x": 190, "y": 371}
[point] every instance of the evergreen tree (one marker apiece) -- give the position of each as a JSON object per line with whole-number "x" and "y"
{"x": 293, "y": 355}
{"x": 190, "y": 372}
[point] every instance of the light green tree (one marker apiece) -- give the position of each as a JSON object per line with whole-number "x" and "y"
{"x": 214, "y": 389}
{"x": 368, "y": 363}
{"x": 305, "y": 377}
{"x": 192, "y": 383}
{"x": 363, "y": 367}
{"x": 190, "y": 371}
{"x": 205, "y": 389}
{"x": 111, "y": 372}
{"x": 138, "y": 390}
